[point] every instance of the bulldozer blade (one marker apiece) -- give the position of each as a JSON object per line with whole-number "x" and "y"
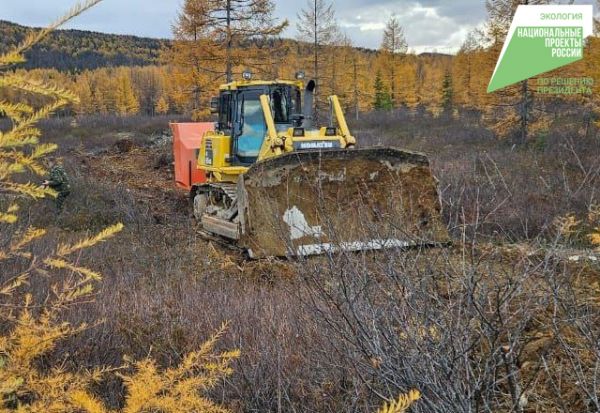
{"x": 316, "y": 202}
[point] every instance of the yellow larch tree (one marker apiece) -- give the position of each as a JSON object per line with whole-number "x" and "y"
{"x": 83, "y": 89}
{"x": 162, "y": 106}
{"x": 196, "y": 63}
{"x": 30, "y": 329}
{"x": 335, "y": 68}
{"x": 214, "y": 40}
{"x": 393, "y": 49}
{"x": 432, "y": 85}
{"x": 466, "y": 73}
{"x": 126, "y": 101}
{"x": 104, "y": 91}
{"x": 408, "y": 95}
{"x": 461, "y": 75}
{"x": 356, "y": 84}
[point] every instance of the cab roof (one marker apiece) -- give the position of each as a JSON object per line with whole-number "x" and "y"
{"x": 241, "y": 84}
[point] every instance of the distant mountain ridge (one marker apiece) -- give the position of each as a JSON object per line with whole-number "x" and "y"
{"x": 76, "y": 50}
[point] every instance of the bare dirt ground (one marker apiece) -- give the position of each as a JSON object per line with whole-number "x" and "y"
{"x": 146, "y": 173}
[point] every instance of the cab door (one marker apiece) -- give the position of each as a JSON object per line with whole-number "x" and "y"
{"x": 250, "y": 128}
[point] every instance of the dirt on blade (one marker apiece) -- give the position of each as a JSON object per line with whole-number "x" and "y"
{"x": 358, "y": 198}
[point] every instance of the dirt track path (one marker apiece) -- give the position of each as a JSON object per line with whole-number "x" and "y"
{"x": 147, "y": 172}
{"x": 144, "y": 171}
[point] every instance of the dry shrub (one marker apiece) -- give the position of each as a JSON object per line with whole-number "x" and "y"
{"x": 508, "y": 192}
{"x": 471, "y": 332}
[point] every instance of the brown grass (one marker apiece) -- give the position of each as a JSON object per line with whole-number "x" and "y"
{"x": 166, "y": 289}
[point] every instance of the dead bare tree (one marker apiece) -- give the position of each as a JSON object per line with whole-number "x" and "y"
{"x": 317, "y": 25}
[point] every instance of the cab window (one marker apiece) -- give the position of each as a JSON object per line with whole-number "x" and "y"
{"x": 296, "y": 103}
{"x": 225, "y": 112}
{"x": 281, "y": 105}
{"x": 253, "y": 121}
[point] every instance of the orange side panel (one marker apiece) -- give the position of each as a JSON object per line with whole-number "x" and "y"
{"x": 187, "y": 138}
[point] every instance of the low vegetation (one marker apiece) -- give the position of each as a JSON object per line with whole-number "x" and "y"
{"x": 513, "y": 297}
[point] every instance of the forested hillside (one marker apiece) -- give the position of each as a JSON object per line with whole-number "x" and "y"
{"x": 126, "y": 75}
{"x": 75, "y": 50}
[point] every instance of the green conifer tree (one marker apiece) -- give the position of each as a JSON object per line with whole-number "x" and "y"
{"x": 383, "y": 100}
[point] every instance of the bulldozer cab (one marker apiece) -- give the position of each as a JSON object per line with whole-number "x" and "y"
{"x": 240, "y": 116}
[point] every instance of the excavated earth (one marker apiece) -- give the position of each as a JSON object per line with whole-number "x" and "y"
{"x": 354, "y": 197}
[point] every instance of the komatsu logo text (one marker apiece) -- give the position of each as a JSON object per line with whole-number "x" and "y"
{"x": 317, "y": 145}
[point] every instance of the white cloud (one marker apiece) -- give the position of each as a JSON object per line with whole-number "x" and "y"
{"x": 363, "y": 27}
{"x": 428, "y": 23}
{"x": 426, "y": 27}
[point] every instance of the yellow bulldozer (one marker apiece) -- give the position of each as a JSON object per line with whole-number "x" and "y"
{"x": 278, "y": 185}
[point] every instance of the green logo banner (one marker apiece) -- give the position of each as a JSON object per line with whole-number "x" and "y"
{"x": 541, "y": 38}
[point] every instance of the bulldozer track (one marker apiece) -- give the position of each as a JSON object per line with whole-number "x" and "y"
{"x": 228, "y": 189}
{"x": 221, "y": 242}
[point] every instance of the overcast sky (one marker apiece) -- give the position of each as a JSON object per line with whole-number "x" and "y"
{"x": 430, "y": 25}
